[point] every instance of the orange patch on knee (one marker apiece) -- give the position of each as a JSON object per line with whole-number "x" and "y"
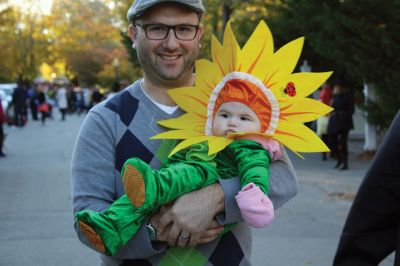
{"x": 92, "y": 236}
{"x": 134, "y": 185}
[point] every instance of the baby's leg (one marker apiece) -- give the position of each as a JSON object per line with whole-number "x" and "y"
{"x": 149, "y": 189}
{"x": 110, "y": 230}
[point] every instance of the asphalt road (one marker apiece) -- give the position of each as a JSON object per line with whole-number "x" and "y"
{"x": 35, "y": 208}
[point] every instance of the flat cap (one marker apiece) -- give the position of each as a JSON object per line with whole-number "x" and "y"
{"x": 139, "y": 6}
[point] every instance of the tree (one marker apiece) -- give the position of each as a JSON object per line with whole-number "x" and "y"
{"x": 23, "y": 41}
{"x": 359, "y": 39}
{"x": 85, "y": 38}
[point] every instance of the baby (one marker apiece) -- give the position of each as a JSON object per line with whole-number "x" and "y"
{"x": 191, "y": 169}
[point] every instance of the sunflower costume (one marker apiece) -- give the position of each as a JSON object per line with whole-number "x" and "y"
{"x": 255, "y": 76}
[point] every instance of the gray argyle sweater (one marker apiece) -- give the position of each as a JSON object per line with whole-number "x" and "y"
{"x": 120, "y": 128}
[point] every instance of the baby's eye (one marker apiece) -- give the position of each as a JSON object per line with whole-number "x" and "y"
{"x": 244, "y": 118}
{"x": 224, "y": 115}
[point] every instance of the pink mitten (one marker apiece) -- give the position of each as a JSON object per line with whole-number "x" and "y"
{"x": 256, "y": 208}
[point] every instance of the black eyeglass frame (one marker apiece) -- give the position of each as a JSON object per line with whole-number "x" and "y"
{"x": 173, "y": 27}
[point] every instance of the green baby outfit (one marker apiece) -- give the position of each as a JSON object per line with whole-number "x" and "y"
{"x": 148, "y": 189}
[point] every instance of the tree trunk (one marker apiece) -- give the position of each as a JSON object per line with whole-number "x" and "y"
{"x": 370, "y": 130}
{"x": 226, "y": 14}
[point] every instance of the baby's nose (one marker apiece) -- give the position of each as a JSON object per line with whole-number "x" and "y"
{"x": 232, "y": 122}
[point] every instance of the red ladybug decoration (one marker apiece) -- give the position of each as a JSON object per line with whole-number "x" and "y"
{"x": 290, "y": 89}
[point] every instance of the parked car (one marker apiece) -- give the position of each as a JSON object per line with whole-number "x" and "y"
{"x": 6, "y": 92}
{"x": 4, "y": 101}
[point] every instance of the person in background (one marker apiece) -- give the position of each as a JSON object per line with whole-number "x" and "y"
{"x": 19, "y": 101}
{"x": 372, "y": 228}
{"x": 120, "y": 128}
{"x": 124, "y": 83}
{"x": 3, "y": 120}
{"x": 340, "y": 123}
{"x": 33, "y": 102}
{"x": 97, "y": 96}
{"x": 43, "y": 105}
{"x": 325, "y": 96}
{"x": 62, "y": 101}
{"x": 86, "y": 95}
{"x": 116, "y": 87}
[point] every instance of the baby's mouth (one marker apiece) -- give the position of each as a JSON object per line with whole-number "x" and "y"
{"x": 230, "y": 131}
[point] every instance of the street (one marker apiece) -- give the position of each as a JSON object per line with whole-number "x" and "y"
{"x": 36, "y": 218}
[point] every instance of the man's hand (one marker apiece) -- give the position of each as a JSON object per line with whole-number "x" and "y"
{"x": 191, "y": 215}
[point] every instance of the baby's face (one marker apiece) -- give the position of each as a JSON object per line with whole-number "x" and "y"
{"x": 235, "y": 117}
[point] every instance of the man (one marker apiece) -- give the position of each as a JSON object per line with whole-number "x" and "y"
{"x": 166, "y": 36}
{"x": 372, "y": 229}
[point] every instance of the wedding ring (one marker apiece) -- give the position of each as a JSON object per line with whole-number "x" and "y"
{"x": 184, "y": 237}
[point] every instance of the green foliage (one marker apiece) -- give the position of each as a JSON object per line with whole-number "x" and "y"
{"x": 380, "y": 115}
{"x": 357, "y": 39}
{"x": 23, "y": 43}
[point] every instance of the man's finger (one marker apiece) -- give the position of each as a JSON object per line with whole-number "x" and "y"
{"x": 163, "y": 235}
{"x": 164, "y": 221}
{"x": 215, "y": 225}
{"x": 173, "y": 235}
{"x": 183, "y": 239}
{"x": 206, "y": 240}
{"x": 210, "y": 233}
{"x": 194, "y": 240}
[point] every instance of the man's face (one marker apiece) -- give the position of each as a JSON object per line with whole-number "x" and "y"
{"x": 168, "y": 61}
{"x": 235, "y": 117}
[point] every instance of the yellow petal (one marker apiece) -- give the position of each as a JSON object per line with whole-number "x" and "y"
{"x": 190, "y": 99}
{"x": 186, "y": 143}
{"x": 178, "y": 134}
{"x": 217, "y": 54}
{"x": 216, "y": 144}
{"x": 231, "y": 46}
{"x": 207, "y": 77}
{"x": 283, "y": 62}
{"x": 305, "y": 82}
{"x": 303, "y": 110}
{"x": 225, "y": 56}
{"x": 299, "y": 138}
{"x": 257, "y": 51}
{"x": 188, "y": 120}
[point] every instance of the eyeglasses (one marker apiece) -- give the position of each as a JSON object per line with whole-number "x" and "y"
{"x": 159, "y": 32}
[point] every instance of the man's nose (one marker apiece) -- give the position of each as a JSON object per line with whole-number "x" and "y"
{"x": 171, "y": 42}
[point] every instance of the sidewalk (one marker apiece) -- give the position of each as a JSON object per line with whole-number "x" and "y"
{"x": 35, "y": 209}
{"x": 36, "y": 220}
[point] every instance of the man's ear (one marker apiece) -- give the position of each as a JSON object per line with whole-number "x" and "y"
{"x": 201, "y": 31}
{"x": 132, "y": 34}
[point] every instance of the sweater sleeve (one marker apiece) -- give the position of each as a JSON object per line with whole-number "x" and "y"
{"x": 283, "y": 181}
{"x": 93, "y": 179}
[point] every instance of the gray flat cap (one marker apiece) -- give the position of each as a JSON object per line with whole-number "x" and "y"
{"x": 139, "y": 6}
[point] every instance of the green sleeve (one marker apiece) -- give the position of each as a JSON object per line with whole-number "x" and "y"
{"x": 252, "y": 162}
